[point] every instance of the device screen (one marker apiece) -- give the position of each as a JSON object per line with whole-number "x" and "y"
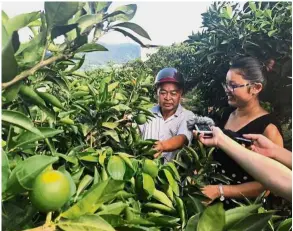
{"x": 203, "y": 127}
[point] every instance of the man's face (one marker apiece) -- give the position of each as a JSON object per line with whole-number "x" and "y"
{"x": 169, "y": 96}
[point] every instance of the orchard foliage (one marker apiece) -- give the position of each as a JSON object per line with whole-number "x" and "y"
{"x": 85, "y": 125}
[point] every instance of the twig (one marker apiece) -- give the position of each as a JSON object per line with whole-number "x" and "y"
{"x": 27, "y": 73}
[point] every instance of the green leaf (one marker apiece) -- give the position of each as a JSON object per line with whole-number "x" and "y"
{"x": 114, "y": 209}
{"x": 102, "y": 6}
{"x": 196, "y": 204}
{"x": 212, "y": 219}
{"x": 164, "y": 220}
{"x": 31, "y": 168}
{"x": 86, "y": 223}
{"x": 172, "y": 182}
{"x": 114, "y": 220}
{"x": 71, "y": 159}
{"x": 134, "y": 27}
{"x": 91, "y": 47}
{"x": 284, "y": 225}
{"x": 253, "y": 222}
{"x": 86, "y": 180}
{"x": 9, "y": 64}
{"x": 229, "y": 11}
{"x": 121, "y": 107}
{"x": 268, "y": 13}
{"x": 150, "y": 167}
{"x": 11, "y": 92}
{"x": 225, "y": 41}
{"x": 77, "y": 65}
{"x": 252, "y": 6}
{"x": 86, "y": 204}
{"x": 61, "y": 30}
{"x": 116, "y": 167}
{"x": 173, "y": 170}
{"x": 148, "y": 184}
{"x": 110, "y": 125}
{"x": 5, "y": 170}
{"x": 20, "y": 120}
{"x": 23, "y": 175}
{"x": 162, "y": 198}
{"x": 129, "y": 12}
{"x": 86, "y": 22}
{"x": 5, "y": 18}
{"x": 90, "y": 158}
{"x": 20, "y": 21}
{"x": 113, "y": 134}
{"x": 192, "y": 223}
{"x": 58, "y": 13}
{"x": 97, "y": 177}
{"x": 232, "y": 216}
{"x": 17, "y": 214}
{"x": 272, "y": 32}
{"x": 127, "y": 34}
{"x": 28, "y": 137}
{"x": 112, "y": 86}
{"x": 77, "y": 175}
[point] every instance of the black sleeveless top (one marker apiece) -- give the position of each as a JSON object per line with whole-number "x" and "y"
{"x": 228, "y": 166}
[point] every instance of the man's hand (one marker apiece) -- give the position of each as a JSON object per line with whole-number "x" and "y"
{"x": 212, "y": 192}
{"x": 159, "y": 147}
{"x": 210, "y": 141}
{"x": 262, "y": 145}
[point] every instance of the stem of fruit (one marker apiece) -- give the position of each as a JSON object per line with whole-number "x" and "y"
{"x": 48, "y": 218}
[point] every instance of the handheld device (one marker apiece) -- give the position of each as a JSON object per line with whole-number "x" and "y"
{"x": 244, "y": 141}
{"x": 204, "y": 129}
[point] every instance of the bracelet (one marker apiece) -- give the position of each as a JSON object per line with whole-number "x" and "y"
{"x": 222, "y": 198}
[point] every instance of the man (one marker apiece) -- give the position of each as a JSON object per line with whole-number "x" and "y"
{"x": 169, "y": 125}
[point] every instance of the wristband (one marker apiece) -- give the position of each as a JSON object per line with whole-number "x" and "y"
{"x": 222, "y": 198}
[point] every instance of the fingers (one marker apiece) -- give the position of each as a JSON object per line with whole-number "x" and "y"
{"x": 157, "y": 154}
{"x": 251, "y": 136}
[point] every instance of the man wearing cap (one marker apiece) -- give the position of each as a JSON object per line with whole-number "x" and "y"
{"x": 169, "y": 125}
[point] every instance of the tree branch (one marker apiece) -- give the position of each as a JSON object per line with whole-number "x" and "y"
{"x": 27, "y": 73}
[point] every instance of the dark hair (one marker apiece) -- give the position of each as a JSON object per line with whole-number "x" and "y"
{"x": 251, "y": 69}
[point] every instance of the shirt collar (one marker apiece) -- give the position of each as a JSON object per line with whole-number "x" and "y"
{"x": 156, "y": 110}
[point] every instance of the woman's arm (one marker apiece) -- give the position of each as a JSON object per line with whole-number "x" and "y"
{"x": 266, "y": 147}
{"x": 249, "y": 190}
{"x": 273, "y": 175}
{"x": 272, "y": 133}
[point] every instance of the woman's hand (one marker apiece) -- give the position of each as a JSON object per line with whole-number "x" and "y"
{"x": 262, "y": 145}
{"x": 212, "y": 192}
{"x": 210, "y": 141}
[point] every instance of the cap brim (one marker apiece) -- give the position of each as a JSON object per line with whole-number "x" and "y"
{"x": 168, "y": 80}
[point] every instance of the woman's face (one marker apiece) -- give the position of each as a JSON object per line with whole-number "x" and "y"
{"x": 238, "y": 90}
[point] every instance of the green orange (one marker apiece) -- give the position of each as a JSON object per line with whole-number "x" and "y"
{"x": 140, "y": 119}
{"x": 51, "y": 190}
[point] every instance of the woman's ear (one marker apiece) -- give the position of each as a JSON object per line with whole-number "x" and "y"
{"x": 256, "y": 88}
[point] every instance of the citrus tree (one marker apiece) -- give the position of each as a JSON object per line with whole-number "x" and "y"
{"x": 72, "y": 155}
{"x": 230, "y": 30}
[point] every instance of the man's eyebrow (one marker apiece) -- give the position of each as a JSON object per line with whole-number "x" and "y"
{"x": 162, "y": 89}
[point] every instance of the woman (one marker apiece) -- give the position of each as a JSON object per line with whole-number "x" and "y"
{"x": 270, "y": 169}
{"x": 244, "y": 83}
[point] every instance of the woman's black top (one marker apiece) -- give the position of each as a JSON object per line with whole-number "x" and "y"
{"x": 228, "y": 166}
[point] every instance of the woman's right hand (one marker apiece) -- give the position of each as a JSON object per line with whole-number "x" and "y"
{"x": 210, "y": 141}
{"x": 262, "y": 145}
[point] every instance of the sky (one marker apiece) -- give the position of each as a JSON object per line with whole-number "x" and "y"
{"x": 165, "y": 22}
